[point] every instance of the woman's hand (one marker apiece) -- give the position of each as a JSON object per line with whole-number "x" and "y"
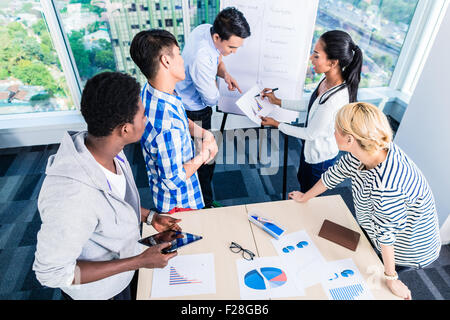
{"x": 298, "y": 196}
{"x": 267, "y": 121}
{"x": 267, "y": 93}
{"x": 399, "y": 289}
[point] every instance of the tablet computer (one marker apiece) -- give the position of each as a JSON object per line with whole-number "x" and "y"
{"x": 177, "y": 239}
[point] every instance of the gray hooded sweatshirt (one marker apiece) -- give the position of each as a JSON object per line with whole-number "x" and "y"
{"x": 83, "y": 219}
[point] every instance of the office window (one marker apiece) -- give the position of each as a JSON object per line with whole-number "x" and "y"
{"x": 379, "y": 27}
{"x": 31, "y": 78}
{"x": 100, "y": 31}
{"x": 89, "y": 36}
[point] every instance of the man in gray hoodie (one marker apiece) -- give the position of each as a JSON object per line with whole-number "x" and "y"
{"x": 89, "y": 203}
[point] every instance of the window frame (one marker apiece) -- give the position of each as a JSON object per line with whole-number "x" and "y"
{"x": 425, "y": 24}
{"x": 419, "y": 40}
{"x": 63, "y": 50}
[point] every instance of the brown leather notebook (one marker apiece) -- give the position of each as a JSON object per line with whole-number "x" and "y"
{"x": 339, "y": 234}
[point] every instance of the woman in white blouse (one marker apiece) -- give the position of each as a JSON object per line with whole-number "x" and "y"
{"x": 393, "y": 201}
{"x": 335, "y": 55}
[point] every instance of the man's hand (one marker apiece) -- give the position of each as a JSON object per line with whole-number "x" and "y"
{"x": 399, "y": 289}
{"x": 162, "y": 223}
{"x": 232, "y": 83}
{"x": 210, "y": 144}
{"x": 154, "y": 258}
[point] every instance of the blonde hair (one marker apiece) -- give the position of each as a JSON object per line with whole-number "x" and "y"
{"x": 367, "y": 124}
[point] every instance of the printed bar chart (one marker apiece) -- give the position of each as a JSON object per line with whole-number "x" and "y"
{"x": 347, "y": 293}
{"x": 175, "y": 278}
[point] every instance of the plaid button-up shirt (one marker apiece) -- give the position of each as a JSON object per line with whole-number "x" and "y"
{"x": 166, "y": 146}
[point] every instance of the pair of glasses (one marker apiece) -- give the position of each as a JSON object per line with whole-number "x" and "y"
{"x": 246, "y": 254}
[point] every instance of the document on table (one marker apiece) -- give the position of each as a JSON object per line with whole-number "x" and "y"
{"x": 302, "y": 257}
{"x": 266, "y": 278}
{"x": 343, "y": 281}
{"x": 255, "y": 107}
{"x": 185, "y": 275}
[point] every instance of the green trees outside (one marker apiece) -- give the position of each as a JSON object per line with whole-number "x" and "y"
{"x": 27, "y": 55}
{"x": 99, "y": 58}
{"x": 80, "y": 54}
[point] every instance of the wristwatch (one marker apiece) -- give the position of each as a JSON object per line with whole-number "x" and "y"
{"x": 388, "y": 277}
{"x": 150, "y": 217}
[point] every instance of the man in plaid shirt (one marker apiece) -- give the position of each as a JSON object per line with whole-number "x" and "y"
{"x": 168, "y": 149}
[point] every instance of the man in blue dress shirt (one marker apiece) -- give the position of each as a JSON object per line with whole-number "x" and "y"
{"x": 202, "y": 56}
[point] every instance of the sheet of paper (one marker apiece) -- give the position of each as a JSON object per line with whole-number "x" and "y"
{"x": 265, "y": 278}
{"x": 283, "y": 115}
{"x": 343, "y": 281}
{"x": 185, "y": 275}
{"x": 265, "y": 108}
{"x": 302, "y": 257}
{"x": 249, "y": 106}
{"x": 255, "y": 107}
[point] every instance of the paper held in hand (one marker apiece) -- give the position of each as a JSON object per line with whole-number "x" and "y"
{"x": 254, "y": 108}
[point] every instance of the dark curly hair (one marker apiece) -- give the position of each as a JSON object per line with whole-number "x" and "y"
{"x": 231, "y": 22}
{"x": 109, "y": 99}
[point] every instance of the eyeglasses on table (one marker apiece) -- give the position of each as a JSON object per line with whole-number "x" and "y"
{"x": 246, "y": 254}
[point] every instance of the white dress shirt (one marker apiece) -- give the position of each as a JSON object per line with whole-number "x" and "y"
{"x": 201, "y": 59}
{"x": 320, "y": 143}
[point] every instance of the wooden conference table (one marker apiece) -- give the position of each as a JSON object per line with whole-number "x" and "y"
{"x": 220, "y": 226}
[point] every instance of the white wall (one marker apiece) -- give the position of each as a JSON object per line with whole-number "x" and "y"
{"x": 424, "y": 133}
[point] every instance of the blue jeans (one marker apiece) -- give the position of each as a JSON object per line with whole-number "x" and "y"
{"x": 308, "y": 174}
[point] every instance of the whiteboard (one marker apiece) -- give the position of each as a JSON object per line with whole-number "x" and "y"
{"x": 277, "y": 52}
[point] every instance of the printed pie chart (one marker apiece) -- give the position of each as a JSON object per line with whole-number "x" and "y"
{"x": 288, "y": 249}
{"x": 347, "y": 273}
{"x": 275, "y": 278}
{"x": 302, "y": 244}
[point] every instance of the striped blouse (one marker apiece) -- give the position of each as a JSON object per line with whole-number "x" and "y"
{"x": 394, "y": 205}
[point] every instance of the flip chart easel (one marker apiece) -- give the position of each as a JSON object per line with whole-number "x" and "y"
{"x": 275, "y": 55}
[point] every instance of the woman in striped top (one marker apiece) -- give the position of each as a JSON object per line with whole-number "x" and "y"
{"x": 393, "y": 201}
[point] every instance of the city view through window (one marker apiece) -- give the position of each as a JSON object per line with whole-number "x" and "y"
{"x": 100, "y": 33}
{"x": 31, "y": 78}
{"x": 378, "y": 27}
